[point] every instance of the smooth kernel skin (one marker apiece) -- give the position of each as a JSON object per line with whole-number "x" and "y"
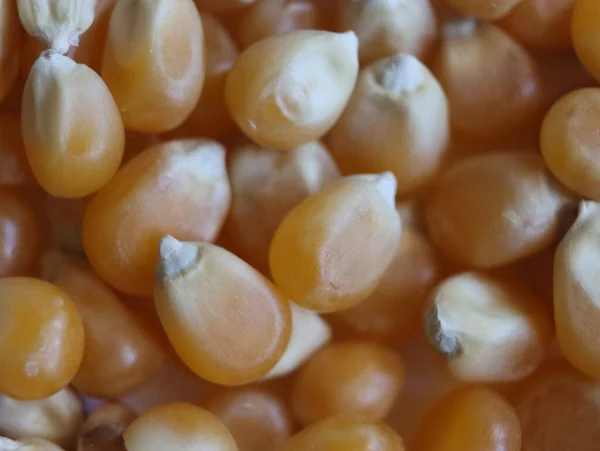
{"x": 490, "y": 329}
{"x": 558, "y": 408}
{"x": 569, "y": 142}
{"x": 14, "y": 167}
{"x": 119, "y": 354}
{"x": 285, "y": 91}
{"x": 351, "y": 377}
{"x": 492, "y": 83}
{"x": 227, "y": 322}
{"x": 42, "y": 338}
{"x": 266, "y": 185}
{"x": 576, "y": 298}
{"x": 585, "y": 34}
{"x": 72, "y": 131}
{"x": 345, "y": 433}
{"x": 276, "y": 17}
{"x": 515, "y": 211}
{"x": 210, "y": 117}
{"x": 541, "y": 23}
{"x": 178, "y": 426}
{"x": 20, "y": 236}
{"x": 312, "y": 256}
{"x": 56, "y": 418}
{"x": 258, "y": 419}
{"x": 154, "y": 62}
{"x": 394, "y": 310}
{"x": 470, "y": 419}
{"x": 483, "y": 9}
{"x": 396, "y": 120}
{"x": 10, "y": 42}
{"x": 385, "y": 28}
{"x": 177, "y": 187}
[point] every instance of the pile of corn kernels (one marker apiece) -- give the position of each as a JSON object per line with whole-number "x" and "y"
{"x": 299, "y": 225}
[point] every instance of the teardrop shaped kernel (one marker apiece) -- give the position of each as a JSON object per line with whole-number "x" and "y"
{"x": 516, "y": 210}
{"x": 309, "y": 333}
{"x": 119, "y": 354}
{"x": 396, "y": 120}
{"x": 56, "y": 418}
{"x": 72, "y": 130}
{"x": 177, "y": 187}
{"x": 210, "y": 117}
{"x": 568, "y": 139}
{"x": 178, "y": 426}
{"x": 558, "y": 408}
{"x": 226, "y": 321}
{"x": 103, "y": 429}
{"x": 154, "y": 62}
{"x": 288, "y": 90}
{"x": 42, "y": 338}
{"x": 10, "y": 43}
{"x": 483, "y": 9}
{"x": 387, "y": 27}
{"x": 585, "y": 34}
{"x": 492, "y": 83}
{"x": 14, "y": 167}
{"x": 266, "y": 185}
{"x": 258, "y": 419}
{"x": 470, "y": 419}
{"x": 346, "y": 433}
{"x": 276, "y": 17}
{"x": 576, "y": 296}
{"x": 541, "y": 23}
{"x": 57, "y": 22}
{"x": 20, "y": 236}
{"x": 314, "y": 258}
{"x": 489, "y": 329}
{"x": 348, "y": 377}
{"x": 394, "y": 310}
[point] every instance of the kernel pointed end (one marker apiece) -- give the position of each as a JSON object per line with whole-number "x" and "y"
{"x": 175, "y": 257}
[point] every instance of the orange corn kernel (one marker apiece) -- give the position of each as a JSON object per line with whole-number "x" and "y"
{"x": 210, "y": 118}
{"x": 72, "y": 130}
{"x": 266, "y": 185}
{"x": 178, "y": 426}
{"x": 119, "y": 355}
{"x": 385, "y": 28}
{"x": 394, "y": 310}
{"x": 586, "y": 35}
{"x": 177, "y": 187}
{"x": 314, "y": 258}
{"x": 484, "y": 9}
{"x": 558, "y": 408}
{"x": 568, "y": 140}
{"x": 345, "y": 433}
{"x": 14, "y": 167}
{"x": 576, "y": 298}
{"x": 541, "y": 23}
{"x": 492, "y": 83}
{"x": 489, "y": 329}
{"x": 154, "y": 62}
{"x": 350, "y": 377}
{"x": 515, "y": 210}
{"x": 103, "y": 429}
{"x": 285, "y": 91}
{"x": 275, "y": 17}
{"x": 258, "y": 419}
{"x": 226, "y": 321}
{"x": 42, "y": 338}
{"x": 20, "y": 236}
{"x": 396, "y": 120}
{"x": 56, "y": 418}
{"x": 10, "y": 43}
{"x": 470, "y": 419}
